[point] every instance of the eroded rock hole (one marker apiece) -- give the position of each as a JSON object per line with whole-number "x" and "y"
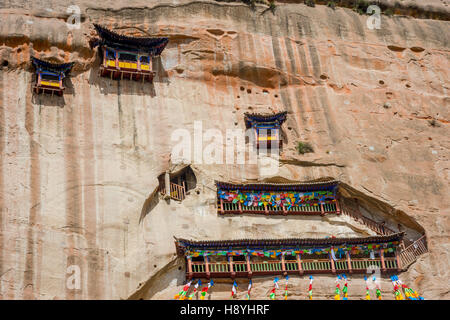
{"x": 181, "y": 182}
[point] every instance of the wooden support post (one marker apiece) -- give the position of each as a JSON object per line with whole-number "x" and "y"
{"x": 322, "y": 212}
{"x": 249, "y": 269}
{"x": 349, "y": 262}
{"x": 240, "y": 207}
{"x": 333, "y": 268}
{"x": 167, "y": 184}
{"x": 397, "y": 257}
{"x": 383, "y": 264}
{"x": 208, "y": 274}
{"x": 221, "y": 206}
{"x": 299, "y": 263}
{"x": 283, "y": 264}
{"x": 189, "y": 265}
{"x": 230, "y": 260}
{"x": 266, "y": 211}
{"x": 284, "y": 210}
{"x": 338, "y": 209}
{"x": 116, "y": 54}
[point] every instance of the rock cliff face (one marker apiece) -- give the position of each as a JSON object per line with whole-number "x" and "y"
{"x": 78, "y": 173}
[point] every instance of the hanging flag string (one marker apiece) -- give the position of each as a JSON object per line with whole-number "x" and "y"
{"x": 205, "y": 290}
{"x": 311, "y": 279}
{"x": 234, "y": 290}
{"x": 377, "y": 286}
{"x": 181, "y": 295}
{"x": 286, "y": 288}
{"x": 345, "y": 289}
{"x": 199, "y": 283}
{"x": 337, "y": 292}
{"x": 249, "y": 289}
{"x": 367, "y": 288}
{"x": 397, "y": 291}
{"x": 275, "y": 287}
{"x": 409, "y": 293}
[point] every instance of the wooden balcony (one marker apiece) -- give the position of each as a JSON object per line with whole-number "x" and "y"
{"x": 177, "y": 192}
{"x": 410, "y": 253}
{"x": 117, "y": 69}
{"x": 240, "y": 269}
{"x": 49, "y": 87}
{"x": 238, "y": 208}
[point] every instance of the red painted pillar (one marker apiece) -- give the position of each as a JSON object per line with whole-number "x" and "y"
{"x": 283, "y": 264}
{"x": 349, "y": 262}
{"x": 249, "y": 269}
{"x": 338, "y": 209}
{"x": 299, "y": 263}
{"x": 205, "y": 257}
{"x": 233, "y": 274}
{"x": 333, "y": 268}
{"x": 383, "y": 264}
{"x": 397, "y": 257}
{"x": 221, "y": 206}
{"x": 189, "y": 265}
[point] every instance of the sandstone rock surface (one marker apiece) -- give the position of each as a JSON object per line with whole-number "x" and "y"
{"x": 77, "y": 173}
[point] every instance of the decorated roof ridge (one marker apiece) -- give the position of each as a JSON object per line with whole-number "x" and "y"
{"x": 265, "y": 117}
{"x": 57, "y": 67}
{"x": 156, "y": 44}
{"x": 289, "y": 241}
{"x": 260, "y": 185}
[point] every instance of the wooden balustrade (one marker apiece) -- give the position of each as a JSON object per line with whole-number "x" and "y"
{"x": 177, "y": 192}
{"x": 408, "y": 255}
{"x": 371, "y": 224}
{"x": 236, "y": 208}
{"x": 275, "y": 267}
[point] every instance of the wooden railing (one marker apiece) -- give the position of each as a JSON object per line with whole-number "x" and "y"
{"x": 407, "y": 255}
{"x": 275, "y": 267}
{"x": 410, "y": 254}
{"x": 177, "y": 192}
{"x": 371, "y": 224}
{"x": 236, "y": 208}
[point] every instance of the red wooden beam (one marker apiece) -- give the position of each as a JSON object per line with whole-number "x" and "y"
{"x": 333, "y": 268}
{"x": 249, "y": 269}
{"x": 233, "y": 274}
{"x": 399, "y": 262}
{"x": 299, "y": 263}
{"x": 349, "y": 263}
{"x": 283, "y": 264}
{"x": 205, "y": 257}
{"x": 383, "y": 264}
{"x": 190, "y": 273}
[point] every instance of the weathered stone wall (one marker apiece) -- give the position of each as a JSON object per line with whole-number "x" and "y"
{"x": 76, "y": 172}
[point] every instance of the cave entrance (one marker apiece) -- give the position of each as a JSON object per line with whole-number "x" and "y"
{"x": 180, "y": 183}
